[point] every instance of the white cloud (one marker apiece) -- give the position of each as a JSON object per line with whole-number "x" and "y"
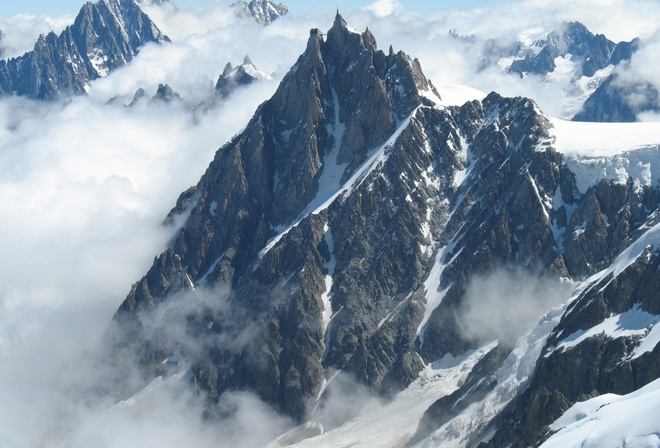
{"x": 84, "y": 187}
{"x": 505, "y": 303}
{"x": 644, "y": 66}
{"x": 383, "y": 8}
{"x": 20, "y": 32}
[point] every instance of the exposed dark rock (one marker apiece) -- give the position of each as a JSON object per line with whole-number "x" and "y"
{"x": 232, "y": 78}
{"x": 105, "y": 36}
{"x": 263, "y": 12}
{"x": 623, "y": 51}
{"x": 617, "y": 101}
{"x": 312, "y": 237}
{"x": 165, "y": 94}
{"x": 591, "y": 52}
{"x": 267, "y": 176}
{"x": 140, "y": 95}
{"x": 604, "y": 223}
{"x": 599, "y": 364}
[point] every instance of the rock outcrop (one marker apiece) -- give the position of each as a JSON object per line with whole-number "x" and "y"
{"x": 342, "y": 229}
{"x": 105, "y": 36}
{"x": 591, "y": 52}
{"x": 582, "y": 359}
{"x": 617, "y": 101}
{"x": 263, "y": 12}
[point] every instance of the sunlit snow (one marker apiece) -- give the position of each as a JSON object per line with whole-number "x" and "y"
{"x": 611, "y": 421}
{"x": 394, "y": 423}
{"x": 631, "y": 323}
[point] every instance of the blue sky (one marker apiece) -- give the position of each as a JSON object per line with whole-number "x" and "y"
{"x": 61, "y": 7}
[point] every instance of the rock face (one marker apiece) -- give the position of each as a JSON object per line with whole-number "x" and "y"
{"x": 341, "y": 101}
{"x": 231, "y": 79}
{"x": 579, "y": 361}
{"x": 262, "y": 11}
{"x": 616, "y": 101}
{"x": 105, "y": 36}
{"x": 235, "y": 77}
{"x": 342, "y": 229}
{"x": 165, "y": 94}
{"x": 591, "y": 52}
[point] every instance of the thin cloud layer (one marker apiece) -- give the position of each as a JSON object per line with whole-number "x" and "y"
{"x": 507, "y": 302}
{"x": 19, "y": 33}
{"x": 384, "y": 8}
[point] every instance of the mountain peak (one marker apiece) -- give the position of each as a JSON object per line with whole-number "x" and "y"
{"x": 339, "y": 21}
{"x": 338, "y": 35}
{"x": 234, "y": 77}
{"x": 351, "y": 220}
{"x": 262, "y": 11}
{"x": 107, "y": 35}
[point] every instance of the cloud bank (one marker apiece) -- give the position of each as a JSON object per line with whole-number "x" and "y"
{"x": 19, "y": 33}
{"x": 505, "y": 303}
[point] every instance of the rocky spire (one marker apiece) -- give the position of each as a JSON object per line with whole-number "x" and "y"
{"x": 105, "y": 36}
{"x": 341, "y": 229}
{"x": 263, "y": 12}
{"x": 338, "y": 34}
{"x": 342, "y": 100}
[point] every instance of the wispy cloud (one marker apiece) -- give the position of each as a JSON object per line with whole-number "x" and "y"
{"x": 505, "y": 303}
{"x": 384, "y": 8}
{"x": 19, "y": 33}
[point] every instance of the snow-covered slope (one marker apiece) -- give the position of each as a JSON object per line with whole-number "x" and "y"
{"x": 611, "y": 421}
{"x": 617, "y": 152}
{"x": 394, "y": 423}
{"x": 603, "y": 139}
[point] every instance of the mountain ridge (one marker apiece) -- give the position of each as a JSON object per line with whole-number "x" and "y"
{"x": 255, "y": 236}
{"x": 341, "y": 233}
{"x": 104, "y": 36}
{"x": 590, "y": 62}
{"x": 263, "y": 12}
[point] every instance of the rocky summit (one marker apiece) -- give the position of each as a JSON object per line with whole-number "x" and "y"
{"x": 105, "y": 36}
{"x": 263, "y": 12}
{"x": 617, "y": 101}
{"x": 592, "y": 64}
{"x": 343, "y": 234}
{"x": 574, "y": 41}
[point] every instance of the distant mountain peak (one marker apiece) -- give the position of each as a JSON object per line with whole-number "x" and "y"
{"x": 231, "y": 79}
{"x": 590, "y": 52}
{"x": 234, "y": 77}
{"x": 104, "y": 36}
{"x": 262, "y": 11}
